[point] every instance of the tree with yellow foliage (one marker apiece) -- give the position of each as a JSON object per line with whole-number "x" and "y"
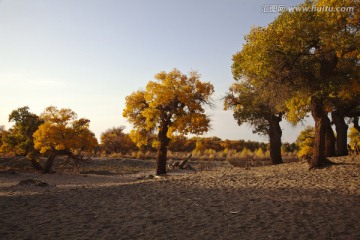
{"x": 326, "y": 49}
{"x": 173, "y": 103}
{"x": 62, "y": 134}
{"x": 250, "y": 106}
{"x": 312, "y": 55}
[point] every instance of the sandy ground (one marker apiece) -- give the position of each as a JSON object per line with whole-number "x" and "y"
{"x": 271, "y": 202}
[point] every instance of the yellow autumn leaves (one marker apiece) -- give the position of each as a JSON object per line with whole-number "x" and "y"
{"x": 174, "y": 100}
{"x": 62, "y": 130}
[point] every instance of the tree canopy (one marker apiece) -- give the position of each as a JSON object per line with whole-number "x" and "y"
{"x": 248, "y": 107}
{"x": 19, "y": 138}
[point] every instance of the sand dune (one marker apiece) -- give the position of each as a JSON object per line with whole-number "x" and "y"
{"x": 272, "y": 202}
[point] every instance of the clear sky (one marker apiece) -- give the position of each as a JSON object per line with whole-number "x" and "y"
{"x": 88, "y": 55}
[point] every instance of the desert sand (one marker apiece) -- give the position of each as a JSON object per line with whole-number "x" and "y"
{"x": 223, "y": 202}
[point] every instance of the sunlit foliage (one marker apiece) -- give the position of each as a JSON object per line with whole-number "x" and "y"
{"x": 63, "y": 134}
{"x": 63, "y": 131}
{"x": 354, "y": 136}
{"x": 305, "y": 142}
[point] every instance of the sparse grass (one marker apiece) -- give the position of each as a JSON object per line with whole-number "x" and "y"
{"x": 15, "y": 163}
{"x": 139, "y": 162}
{"x": 247, "y": 162}
{"x": 96, "y": 165}
{"x": 119, "y": 166}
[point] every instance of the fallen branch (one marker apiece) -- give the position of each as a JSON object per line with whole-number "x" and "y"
{"x": 184, "y": 164}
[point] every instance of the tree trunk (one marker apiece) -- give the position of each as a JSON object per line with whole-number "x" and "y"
{"x": 161, "y": 155}
{"x": 330, "y": 139}
{"x": 319, "y": 116}
{"x": 48, "y": 164}
{"x": 36, "y": 165}
{"x": 341, "y": 132}
{"x": 275, "y": 133}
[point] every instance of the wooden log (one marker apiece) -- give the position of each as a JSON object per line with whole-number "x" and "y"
{"x": 183, "y": 162}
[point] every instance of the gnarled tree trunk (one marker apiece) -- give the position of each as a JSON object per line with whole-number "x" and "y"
{"x": 48, "y": 164}
{"x": 275, "y": 134}
{"x": 330, "y": 139}
{"x": 341, "y": 132}
{"x": 161, "y": 155}
{"x": 36, "y": 165}
{"x": 54, "y": 153}
{"x": 319, "y": 116}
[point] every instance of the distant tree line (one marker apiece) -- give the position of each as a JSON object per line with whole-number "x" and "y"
{"x": 115, "y": 140}
{"x": 58, "y": 132}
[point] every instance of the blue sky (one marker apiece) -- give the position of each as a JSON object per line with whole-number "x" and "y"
{"x": 88, "y": 55}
